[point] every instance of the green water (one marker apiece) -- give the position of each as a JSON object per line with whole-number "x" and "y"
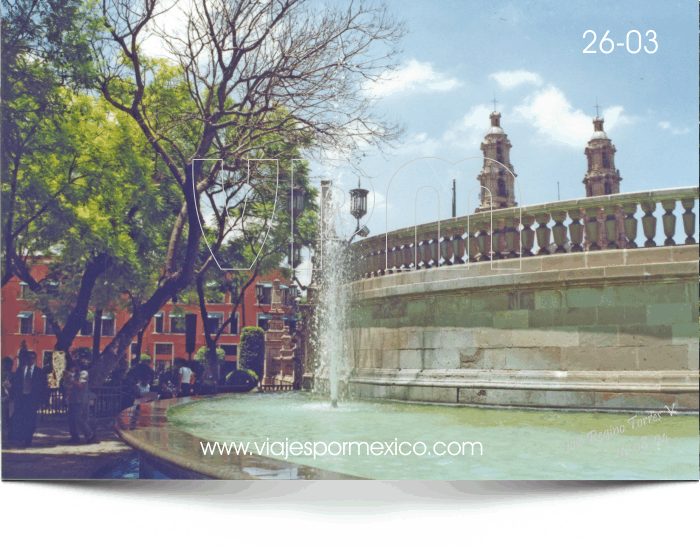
{"x": 517, "y": 444}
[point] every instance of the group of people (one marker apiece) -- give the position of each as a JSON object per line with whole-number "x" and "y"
{"x": 26, "y": 389}
{"x": 185, "y": 385}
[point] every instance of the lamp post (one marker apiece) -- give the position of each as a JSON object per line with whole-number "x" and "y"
{"x": 358, "y": 209}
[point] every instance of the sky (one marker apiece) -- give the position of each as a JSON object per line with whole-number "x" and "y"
{"x": 458, "y": 56}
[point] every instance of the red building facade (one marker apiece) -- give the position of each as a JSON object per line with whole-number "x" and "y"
{"x": 164, "y": 339}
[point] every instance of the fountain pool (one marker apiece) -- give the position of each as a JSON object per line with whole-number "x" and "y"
{"x": 516, "y": 443}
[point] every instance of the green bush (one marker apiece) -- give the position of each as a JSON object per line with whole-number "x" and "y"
{"x": 251, "y": 352}
{"x": 242, "y": 377}
{"x": 203, "y": 356}
{"x": 145, "y": 358}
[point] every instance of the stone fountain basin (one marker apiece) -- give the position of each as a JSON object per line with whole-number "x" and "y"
{"x": 178, "y": 454}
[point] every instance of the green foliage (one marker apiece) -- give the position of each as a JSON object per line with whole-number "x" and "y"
{"x": 242, "y": 377}
{"x": 251, "y": 352}
{"x": 203, "y": 356}
{"x": 145, "y": 358}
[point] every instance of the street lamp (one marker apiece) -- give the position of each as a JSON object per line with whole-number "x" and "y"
{"x": 295, "y": 201}
{"x": 358, "y": 203}
{"x": 294, "y": 254}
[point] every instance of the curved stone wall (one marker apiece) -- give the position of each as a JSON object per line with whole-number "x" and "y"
{"x": 606, "y": 330}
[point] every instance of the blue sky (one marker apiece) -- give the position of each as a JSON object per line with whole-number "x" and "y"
{"x": 530, "y": 55}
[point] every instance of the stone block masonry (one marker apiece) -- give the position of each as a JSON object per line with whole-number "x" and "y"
{"x": 617, "y": 333}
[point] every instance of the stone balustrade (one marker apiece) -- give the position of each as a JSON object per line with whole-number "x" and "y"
{"x": 594, "y": 223}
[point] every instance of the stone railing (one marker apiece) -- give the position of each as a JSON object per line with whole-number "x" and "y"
{"x": 594, "y": 223}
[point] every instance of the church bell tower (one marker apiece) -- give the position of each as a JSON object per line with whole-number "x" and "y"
{"x": 602, "y": 178}
{"x": 493, "y": 176}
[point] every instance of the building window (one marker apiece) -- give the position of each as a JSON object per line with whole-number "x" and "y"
{"x": 164, "y": 349}
{"x": 158, "y": 322}
{"x": 26, "y": 322}
{"x": 108, "y": 325}
{"x": 608, "y": 188}
{"x": 23, "y": 289}
{"x": 214, "y": 322}
{"x": 177, "y": 324}
{"x": 48, "y": 329}
{"x": 230, "y": 350}
{"x": 47, "y": 361}
{"x": 264, "y": 294}
{"x": 86, "y": 329}
{"x": 499, "y": 154}
{"x": 606, "y": 162}
{"x": 263, "y": 321}
{"x": 233, "y": 327}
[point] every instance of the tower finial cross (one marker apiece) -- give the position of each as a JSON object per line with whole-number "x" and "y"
{"x": 596, "y": 108}
{"x": 494, "y": 103}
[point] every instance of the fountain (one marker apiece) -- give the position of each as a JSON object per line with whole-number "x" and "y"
{"x": 417, "y": 440}
{"x": 331, "y": 299}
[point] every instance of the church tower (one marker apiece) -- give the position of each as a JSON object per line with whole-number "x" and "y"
{"x": 493, "y": 176}
{"x": 602, "y": 178}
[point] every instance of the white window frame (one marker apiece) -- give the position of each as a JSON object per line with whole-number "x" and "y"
{"x": 25, "y": 315}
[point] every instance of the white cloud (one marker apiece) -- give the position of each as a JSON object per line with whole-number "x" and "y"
{"x": 675, "y": 131}
{"x": 413, "y": 76}
{"x": 552, "y": 114}
{"x": 508, "y": 79}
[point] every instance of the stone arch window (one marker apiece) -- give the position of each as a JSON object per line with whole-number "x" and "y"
{"x": 502, "y": 191}
{"x": 608, "y": 187}
{"x": 499, "y": 154}
{"x": 590, "y": 163}
{"x": 606, "y": 161}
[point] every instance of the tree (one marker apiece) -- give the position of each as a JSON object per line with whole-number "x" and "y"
{"x": 251, "y": 353}
{"x": 256, "y": 73}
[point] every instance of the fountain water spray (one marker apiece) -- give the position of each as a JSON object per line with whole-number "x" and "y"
{"x": 332, "y": 303}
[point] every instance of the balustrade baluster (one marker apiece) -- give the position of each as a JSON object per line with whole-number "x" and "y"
{"x": 417, "y": 253}
{"x": 497, "y": 240}
{"x": 649, "y": 223}
{"x": 511, "y": 238}
{"x": 473, "y": 243}
{"x": 669, "y": 221}
{"x": 576, "y": 230}
{"x": 559, "y": 231}
{"x": 611, "y": 226}
{"x": 446, "y": 250}
{"x": 458, "y": 246}
{"x": 390, "y": 267}
{"x": 484, "y": 240}
{"x": 630, "y": 224}
{"x": 543, "y": 233}
{"x": 434, "y": 247}
{"x": 689, "y": 220}
{"x": 592, "y": 227}
{"x": 407, "y": 254}
{"x": 381, "y": 262}
{"x": 527, "y": 235}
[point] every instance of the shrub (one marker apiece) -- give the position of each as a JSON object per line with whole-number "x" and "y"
{"x": 242, "y": 377}
{"x": 145, "y": 358}
{"x": 251, "y": 352}
{"x": 204, "y": 357}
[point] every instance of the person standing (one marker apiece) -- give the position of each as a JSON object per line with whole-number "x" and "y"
{"x": 184, "y": 383}
{"x": 7, "y": 364}
{"x": 77, "y": 385}
{"x": 28, "y": 391}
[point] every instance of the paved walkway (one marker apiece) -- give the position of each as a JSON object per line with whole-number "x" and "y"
{"x": 52, "y": 457}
